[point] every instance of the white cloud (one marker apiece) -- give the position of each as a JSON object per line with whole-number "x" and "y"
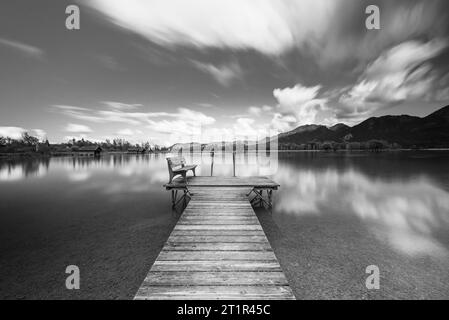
{"x": 283, "y": 123}
{"x": 77, "y": 128}
{"x": 24, "y": 48}
{"x": 183, "y": 118}
{"x": 125, "y": 132}
{"x": 17, "y": 132}
{"x": 186, "y": 122}
{"x": 302, "y": 104}
{"x": 12, "y": 132}
{"x": 290, "y": 99}
{"x": 70, "y": 108}
{"x": 399, "y": 74}
{"x": 121, "y": 105}
{"x": 270, "y": 27}
{"x": 258, "y": 111}
{"x": 39, "y": 133}
{"x": 129, "y": 132}
{"x": 223, "y": 74}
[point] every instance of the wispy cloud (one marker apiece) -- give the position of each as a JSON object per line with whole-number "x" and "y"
{"x": 401, "y": 73}
{"x": 321, "y": 29}
{"x": 77, "y": 128}
{"x": 223, "y": 74}
{"x": 23, "y": 48}
{"x": 121, "y": 105}
{"x": 271, "y": 27}
{"x": 258, "y": 111}
{"x": 128, "y": 132}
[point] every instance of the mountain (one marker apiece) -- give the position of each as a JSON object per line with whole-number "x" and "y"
{"x": 339, "y": 127}
{"x": 299, "y": 136}
{"x": 408, "y": 131}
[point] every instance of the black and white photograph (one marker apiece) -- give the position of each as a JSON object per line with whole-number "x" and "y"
{"x": 245, "y": 150}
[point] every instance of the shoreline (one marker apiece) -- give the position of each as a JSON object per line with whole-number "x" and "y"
{"x": 9, "y": 156}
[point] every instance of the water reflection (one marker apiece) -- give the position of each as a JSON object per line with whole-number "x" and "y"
{"x": 13, "y": 170}
{"x": 398, "y": 200}
{"x": 404, "y": 213}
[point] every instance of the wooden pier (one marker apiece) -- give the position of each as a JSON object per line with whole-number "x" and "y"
{"x": 218, "y": 249}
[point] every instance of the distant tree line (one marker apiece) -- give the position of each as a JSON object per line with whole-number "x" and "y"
{"x": 29, "y": 144}
{"x": 371, "y": 145}
{"x": 117, "y": 144}
{"x": 26, "y": 144}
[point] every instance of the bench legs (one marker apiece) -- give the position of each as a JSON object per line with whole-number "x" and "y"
{"x": 174, "y": 197}
{"x": 259, "y": 198}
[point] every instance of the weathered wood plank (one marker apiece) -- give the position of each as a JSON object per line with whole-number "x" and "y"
{"x": 217, "y": 233}
{"x": 240, "y": 246}
{"x": 222, "y": 222}
{"x": 215, "y": 293}
{"x": 191, "y": 217}
{"x": 217, "y": 227}
{"x": 211, "y": 212}
{"x": 219, "y": 265}
{"x": 219, "y": 239}
{"x": 216, "y": 255}
{"x": 214, "y": 204}
{"x": 220, "y": 278}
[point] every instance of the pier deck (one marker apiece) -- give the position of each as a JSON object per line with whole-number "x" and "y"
{"x": 250, "y": 182}
{"x": 217, "y": 250}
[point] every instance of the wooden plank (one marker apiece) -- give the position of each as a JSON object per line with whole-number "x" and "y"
{"x": 238, "y": 220}
{"x": 215, "y": 292}
{"x": 215, "y": 204}
{"x": 195, "y": 210}
{"x": 217, "y": 227}
{"x": 221, "y": 278}
{"x": 218, "y": 239}
{"x": 217, "y": 255}
{"x": 204, "y": 215}
{"x": 232, "y": 265}
{"x": 217, "y": 233}
{"x": 224, "y": 222}
{"x": 224, "y": 246}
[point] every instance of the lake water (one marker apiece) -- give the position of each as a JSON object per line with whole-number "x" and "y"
{"x": 334, "y": 215}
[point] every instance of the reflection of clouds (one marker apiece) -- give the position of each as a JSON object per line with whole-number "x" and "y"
{"x": 11, "y": 173}
{"x": 79, "y": 176}
{"x": 404, "y": 213}
{"x": 14, "y": 171}
{"x": 117, "y": 175}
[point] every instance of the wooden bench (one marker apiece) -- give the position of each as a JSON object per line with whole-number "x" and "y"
{"x": 177, "y": 166}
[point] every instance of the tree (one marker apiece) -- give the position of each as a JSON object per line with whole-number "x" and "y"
{"x": 376, "y": 145}
{"x": 29, "y": 140}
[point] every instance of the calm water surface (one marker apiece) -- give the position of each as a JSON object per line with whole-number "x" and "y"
{"x": 334, "y": 215}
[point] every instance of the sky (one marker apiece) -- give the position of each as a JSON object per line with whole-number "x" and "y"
{"x": 169, "y": 71}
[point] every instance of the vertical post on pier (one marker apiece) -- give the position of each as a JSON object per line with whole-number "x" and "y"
{"x": 233, "y": 163}
{"x": 212, "y": 154}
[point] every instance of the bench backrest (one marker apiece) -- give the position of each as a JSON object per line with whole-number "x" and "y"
{"x": 176, "y": 162}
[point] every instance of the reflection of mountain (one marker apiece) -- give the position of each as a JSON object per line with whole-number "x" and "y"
{"x": 431, "y": 131}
